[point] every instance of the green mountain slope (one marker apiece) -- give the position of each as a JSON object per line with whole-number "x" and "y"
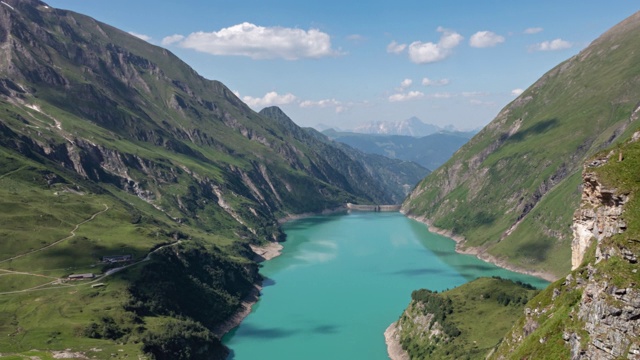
{"x": 112, "y": 146}
{"x": 512, "y": 189}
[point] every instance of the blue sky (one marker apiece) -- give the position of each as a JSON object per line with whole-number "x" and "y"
{"x": 344, "y": 63}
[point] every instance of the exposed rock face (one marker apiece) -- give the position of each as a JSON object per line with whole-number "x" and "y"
{"x": 611, "y": 318}
{"x": 599, "y": 215}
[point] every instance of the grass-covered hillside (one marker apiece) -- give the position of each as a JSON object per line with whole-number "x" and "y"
{"x": 512, "y": 189}
{"x": 462, "y": 323}
{"x": 111, "y": 146}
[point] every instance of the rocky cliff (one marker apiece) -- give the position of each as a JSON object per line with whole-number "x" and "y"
{"x": 593, "y": 313}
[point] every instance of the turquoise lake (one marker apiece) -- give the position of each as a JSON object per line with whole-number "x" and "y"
{"x": 342, "y": 280}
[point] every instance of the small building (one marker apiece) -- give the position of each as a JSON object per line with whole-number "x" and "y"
{"x": 117, "y": 258}
{"x": 81, "y": 276}
{"x": 97, "y": 285}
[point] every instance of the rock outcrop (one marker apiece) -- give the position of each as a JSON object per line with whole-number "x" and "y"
{"x": 599, "y": 215}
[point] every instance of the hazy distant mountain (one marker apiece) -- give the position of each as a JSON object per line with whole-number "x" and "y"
{"x": 430, "y": 151}
{"x": 409, "y": 127}
{"x": 322, "y": 127}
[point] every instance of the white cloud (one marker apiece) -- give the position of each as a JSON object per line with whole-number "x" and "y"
{"x": 144, "y": 37}
{"x": 356, "y": 38}
{"x": 258, "y": 42}
{"x": 406, "y": 96}
{"x": 338, "y": 106}
{"x": 269, "y": 99}
{"x": 406, "y": 83}
{"x": 553, "y": 45}
{"x": 422, "y": 53}
{"x": 516, "y": 92}
{"x": 483, "y": 39}
{"x": 320, "y": 103}
{"x": 396, "y": 48}
{"x": 172, "y": 39}
{"x": 429, "y": 82}
{"x": 533, "y": 30}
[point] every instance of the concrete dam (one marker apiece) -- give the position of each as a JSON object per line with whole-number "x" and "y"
{"x": 377, "y": 208}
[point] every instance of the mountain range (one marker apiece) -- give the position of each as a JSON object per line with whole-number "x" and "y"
{"x": 430, "y": 151}
{"x": 408, "y": 127}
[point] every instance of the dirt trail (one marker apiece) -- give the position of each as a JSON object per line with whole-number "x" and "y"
{"x": 73, "y": 233}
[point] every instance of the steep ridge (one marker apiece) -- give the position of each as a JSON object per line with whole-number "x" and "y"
{"x": 117, "y": 155}
{"x": 508, "y": 194}
{"x": 594, "y": 312}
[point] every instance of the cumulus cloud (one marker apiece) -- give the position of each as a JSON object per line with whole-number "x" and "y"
{"x": 269, "y": 99}
{"x": 396, "y": 48}
{"x": 259, "y": 42}
{"x": 553, "y": 45}
{"x": 429, "y": 82}
{"x": 144, "y": 37}
{"x": 533, "y": 30}
{"x": 338, "y": 106}
{"x": 428, "y": 52}
{"x": 406, "y": 83}
{"x": 516, "y": 92}
{"x": 483, "y": 39}
{"x": 406, "y": 96}
{"x": 172, "y": 39}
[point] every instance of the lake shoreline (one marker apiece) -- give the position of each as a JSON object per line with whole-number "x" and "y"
{"x": 392, "y": 339}
{"x": 394, "y": 348}
{"x": 480, "y": 253}
{"x": 262, "y": 253}
{"x": 292, "y": 217}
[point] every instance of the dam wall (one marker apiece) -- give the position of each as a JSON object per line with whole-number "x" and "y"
{"x": 377, "y": 208}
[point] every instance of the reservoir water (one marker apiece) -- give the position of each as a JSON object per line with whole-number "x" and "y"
{"x": 342, "y": 279}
